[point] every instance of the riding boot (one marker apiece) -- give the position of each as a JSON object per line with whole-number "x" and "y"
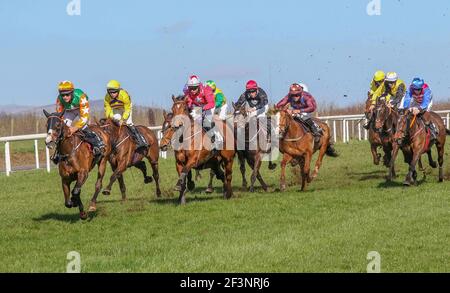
{"x": 314, "y": 129}
{"x": 138, "y": 138}
{"x": 98, "y": 147}
{"x": 433, "y": 130}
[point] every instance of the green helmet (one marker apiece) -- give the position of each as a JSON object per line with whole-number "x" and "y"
{"x": 211, "y": 84}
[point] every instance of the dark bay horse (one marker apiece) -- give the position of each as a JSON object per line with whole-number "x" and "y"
{"x": 297, "y": 143}
{"x": 76, "y": 161}
{"x": 193, "y": 156}
{"x": 381, "y": 134}
{"x": 413, "y": 137}
{"x": 252, "y": 155}
{"x": 124, "y": 154}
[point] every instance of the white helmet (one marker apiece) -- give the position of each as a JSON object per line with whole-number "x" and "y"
{"x": 193, "y": 81}
{"x": 305, "y": 88}
{"x": 391, "y": 76}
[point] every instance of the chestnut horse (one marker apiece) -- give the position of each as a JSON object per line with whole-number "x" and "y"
{"x": 76, "y": 161}
{"x": 192, "y": 156}
{"x": 124, "y": 154}
{"x": 413, "y": 137}
{"x": 297, "y": 143}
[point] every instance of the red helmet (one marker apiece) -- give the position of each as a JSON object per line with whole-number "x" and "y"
{"x": 295, "y": 89}
{"x": 251, "y": 85}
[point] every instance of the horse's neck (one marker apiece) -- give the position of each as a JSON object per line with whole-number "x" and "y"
{"x": 68, "y": 142}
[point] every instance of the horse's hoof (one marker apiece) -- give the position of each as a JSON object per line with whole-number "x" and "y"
{"x": 92, "y": 208}
{"x": 190, "y": 185}
{"x": 74, "y": 205}
{"x": 68, "y": 205}
{"x": 148, "y": 180}
{"x": 406, "y": 183}
{"x": 433, "y": 165}
{"x": 182, "y": 201}
{"x": 272, "y": 166}
{"x": 283, "y": 187}
{"x": 83, "y": 215}
{"x": 209, "y": 190}
{"x": 251, "y": 189}
{"x": 158, "y": 193}
{"x": 106, "y": 192}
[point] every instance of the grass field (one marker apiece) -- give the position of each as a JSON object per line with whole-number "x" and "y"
{"x": 347, "y": 212}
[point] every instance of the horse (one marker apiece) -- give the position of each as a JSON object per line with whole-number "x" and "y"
{"x": 413, "y": 137}
{"x": 124, "y": 154}
{"x": 253, "y": 157}
{"x": 299, "y": 144}
{"x": 77, "y": 160}
{"x": 382, "y": 132}
{"x": 193, "y": 156}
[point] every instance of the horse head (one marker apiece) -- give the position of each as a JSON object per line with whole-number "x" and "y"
{"x": 55, "y": 129}
{"x": 179, "y": 108}
{"x": 381, "y": 112}
{"x": 403, "y": 126}
{"x": 166, "y": 131}
{"x": 284, "y": 119}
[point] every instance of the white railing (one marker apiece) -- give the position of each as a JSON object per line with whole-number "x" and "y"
{"x": 347, "y": 123}
{"x": 37, "y": 137}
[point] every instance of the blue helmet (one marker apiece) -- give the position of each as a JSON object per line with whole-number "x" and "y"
{"x": 417, "y": 83}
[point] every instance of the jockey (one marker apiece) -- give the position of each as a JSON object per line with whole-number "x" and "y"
{"x": 220, "y": 100}
{"x": 200, "y": 101}
{"x": 255, "y": 99}
{"x": 301, "y": 106}
{"x": 257, "y": 104}
{"x": 75, "y": 104}
{"x": 376, "y": 83}
{"x": 393, "y": 90}
{"x": 419, "y": 99}
{"x": 118, "y": 107}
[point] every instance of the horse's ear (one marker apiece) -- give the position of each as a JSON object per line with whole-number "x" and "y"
{"x": 174, "y": 99}
{"x": 46, "y": 113}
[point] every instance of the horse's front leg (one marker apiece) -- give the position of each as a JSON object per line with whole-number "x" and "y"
{"x": 98, "y": 184}
{"x": 255, "y": 171}
{"x": 241, "y": 158}
{"x": 210, "y": 189}
{"x": 286, "y": 159}
{"x": 375, "y": 155}
{"x": 76, "y": 193}
{"x": 391, "y": 175}
{"x": 66, "y": 189}
{"x": 412, "y": 174}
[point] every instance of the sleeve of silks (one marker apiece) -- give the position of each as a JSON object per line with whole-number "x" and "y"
{"x": 240, "y": 101}
{"x": 106, "y": 104}
{"x": 310, "y": 105}
{"x": 426, "y": 99}
{"x": 219, "y": 97}
{"x": 188, "y": 101}
{"x": 209, "y": 96}
{"x": 282, "y": 103}
{"x": 264, "y": 100}
{"x": 84, "y": 112}
{"x": 378, "y": 93}
{"x": 59, "y": 106}
{"x": 399, "y": 95}
{"x": 126, "y": 105}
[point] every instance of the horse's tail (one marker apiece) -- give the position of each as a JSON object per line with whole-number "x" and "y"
{"x": 447, "y": 131}
{"x": 331, "y": 151}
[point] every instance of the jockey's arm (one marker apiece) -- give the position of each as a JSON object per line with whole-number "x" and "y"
{"x": 282, "y": 103}
{"x": 84, "y": 112}
{"x": 126, "y": 105}
{"x": 240, "y": 101}
{"x": 106, "y": 104}
{"x": 427, "y": 97}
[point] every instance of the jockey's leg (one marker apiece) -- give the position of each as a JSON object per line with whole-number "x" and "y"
{"x": 92, "y": 138}
{"x": 428, "y": 123}
{"x": 209, "y": 124}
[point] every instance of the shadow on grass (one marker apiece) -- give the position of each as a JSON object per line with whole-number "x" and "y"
{"x": 70, "y": 218}
{"x": 399, "y": 183}
{"x": 362, "y": 176}
{"x": 189, "y": 199}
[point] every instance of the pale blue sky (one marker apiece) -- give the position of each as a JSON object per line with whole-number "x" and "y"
{"x": 152, "y": 46}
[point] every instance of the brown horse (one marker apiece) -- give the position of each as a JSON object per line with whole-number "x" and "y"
{"x": 413, "y": 137}
{"x": 194, "y": 156}
{"x": 124, "y": 154}
{"x": 382, "y": 132}
{"x": 77, "y": 160}
{"x": 252, "y": 155}
{"x": 298, "y": 143}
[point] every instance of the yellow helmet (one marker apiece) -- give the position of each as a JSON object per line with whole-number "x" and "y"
{"x": 379, "y": 76}
{"x": 66, "y": 86}
{"x": 113, "y": 85}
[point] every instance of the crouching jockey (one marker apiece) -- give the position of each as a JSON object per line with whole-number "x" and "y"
{"x": 201, "y": 104}
{"x": 221, "y": 106}
{"x": 75, "y": 105}
{"x": 257, "y": 105}
{"x": 118, "y": 107}
{"x": 419, "y": 99}
{"x": 377, "y": 84}
{"x": 301, "y": 106}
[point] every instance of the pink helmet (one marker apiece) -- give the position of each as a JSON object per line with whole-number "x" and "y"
{"x": 251, "y": 85}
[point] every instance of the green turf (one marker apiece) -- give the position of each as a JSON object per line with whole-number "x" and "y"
{"x": 347, "y": 212}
